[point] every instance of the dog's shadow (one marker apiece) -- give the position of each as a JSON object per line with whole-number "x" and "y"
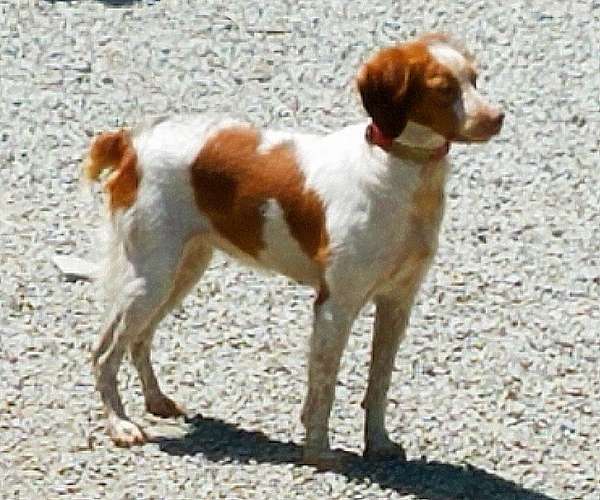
{"x": 218, "y": 440}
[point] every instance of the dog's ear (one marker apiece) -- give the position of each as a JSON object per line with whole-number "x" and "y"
{"x": 383, "y": 83}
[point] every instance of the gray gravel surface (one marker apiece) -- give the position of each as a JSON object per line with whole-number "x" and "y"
{"x": 496, "y": 394}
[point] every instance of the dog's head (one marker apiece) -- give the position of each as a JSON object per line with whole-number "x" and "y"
{"x": 430, "y": 82}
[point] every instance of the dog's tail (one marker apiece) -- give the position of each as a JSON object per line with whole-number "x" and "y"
{"x": 106, "y": 151}
{"x": 114, "y": 151}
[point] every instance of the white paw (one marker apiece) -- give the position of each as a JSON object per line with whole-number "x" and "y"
{"x": 125, "y": 433}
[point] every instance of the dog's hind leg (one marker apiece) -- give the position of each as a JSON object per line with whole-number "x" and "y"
{"x": 145, "y": 279}
{"x": 191, "y": 267}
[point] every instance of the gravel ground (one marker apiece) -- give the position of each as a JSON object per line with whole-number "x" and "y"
{"x": 496, "y": 391}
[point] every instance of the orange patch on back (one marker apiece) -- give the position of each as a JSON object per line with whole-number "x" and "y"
{"x": 233, "y": 180}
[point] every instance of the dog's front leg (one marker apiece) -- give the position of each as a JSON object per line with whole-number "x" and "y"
{"x": 390, "y": 328}
{"x": 332, "y": 324}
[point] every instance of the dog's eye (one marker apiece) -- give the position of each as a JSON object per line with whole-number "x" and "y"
{"x": 444, "y": 88}
{"x": 440, "y": 84}
{"x": 473, "y": 79}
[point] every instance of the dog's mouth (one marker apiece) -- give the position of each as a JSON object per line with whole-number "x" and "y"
{"x": 471, "y": 140}
{"x": 477, "y": 138}
{"x": 482, "y": 131}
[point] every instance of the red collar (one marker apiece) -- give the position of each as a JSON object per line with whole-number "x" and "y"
{"x": 375, "y": 136}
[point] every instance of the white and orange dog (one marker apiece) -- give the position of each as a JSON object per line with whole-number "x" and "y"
{"x": 354, "y": 214}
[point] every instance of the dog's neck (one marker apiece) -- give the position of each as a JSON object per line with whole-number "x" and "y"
{"x": 416, "y": 143}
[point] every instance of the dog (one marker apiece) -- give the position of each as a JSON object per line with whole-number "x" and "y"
{"x": 355, "y": 214}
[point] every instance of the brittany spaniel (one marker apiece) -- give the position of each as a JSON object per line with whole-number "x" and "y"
{"x": 354, "y": 214}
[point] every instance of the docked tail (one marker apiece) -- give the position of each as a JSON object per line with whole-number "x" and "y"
{"x": 114, "y": 151}
{"x": 106, "y": 151}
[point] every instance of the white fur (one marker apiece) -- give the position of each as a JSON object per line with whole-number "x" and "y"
{"x": 449, "y": 57}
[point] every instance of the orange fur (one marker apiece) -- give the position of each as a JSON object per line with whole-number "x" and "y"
{"x": 114, "y": 151}
{"x": 232, "y": 180}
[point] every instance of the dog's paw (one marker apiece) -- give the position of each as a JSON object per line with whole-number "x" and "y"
{"x": 387, "y": 451}
{"x": 165, "y": 407}
{"x": 125, "y": 433}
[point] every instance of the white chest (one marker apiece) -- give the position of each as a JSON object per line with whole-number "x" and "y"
{"x": 411, "y": 255}
{"x": 386, "y": 234}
